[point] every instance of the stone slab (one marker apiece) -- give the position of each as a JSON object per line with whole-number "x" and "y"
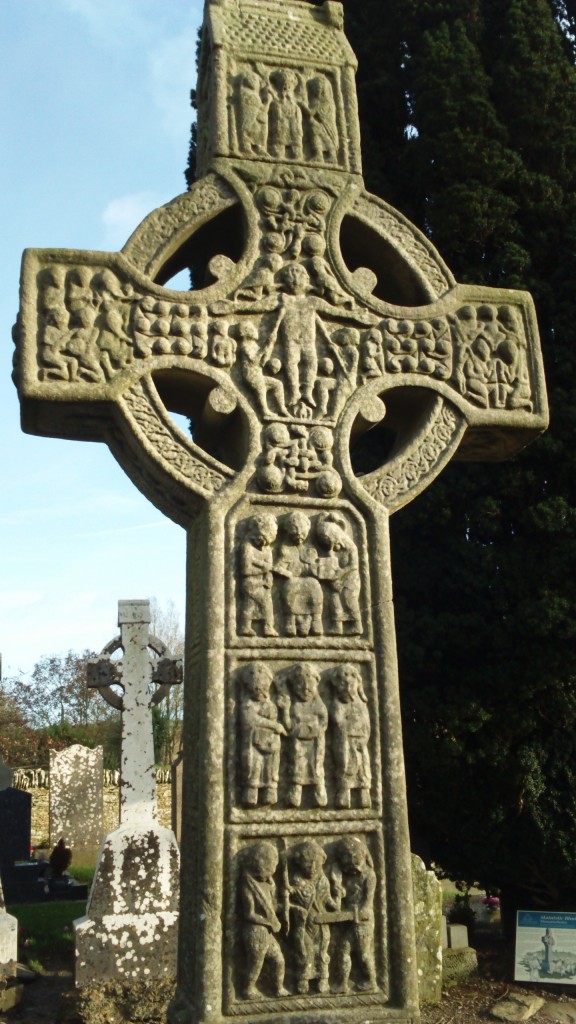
{"x": 76, "y": 796}
{"x": 458, "y": 965}
{"x": 10, "y": 997}
{"x": 560, "y": 1013}
{"x": 6, "y": 775}
{"x": 131, "y": 924}
{"x": 517, "y": 1007}
{"x": 428, "y": 919}
{"x": 457, "y": 936}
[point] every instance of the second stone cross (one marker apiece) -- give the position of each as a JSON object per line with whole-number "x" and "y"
{"x": 322, "y": 319}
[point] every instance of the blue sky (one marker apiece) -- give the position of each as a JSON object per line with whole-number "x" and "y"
{"x": 94, "y": 122}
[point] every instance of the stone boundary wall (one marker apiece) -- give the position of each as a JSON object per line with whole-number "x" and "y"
{"x": 34, "y": 778}
{"x": 40, "y": 815}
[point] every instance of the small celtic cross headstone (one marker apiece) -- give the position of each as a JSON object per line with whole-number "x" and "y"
{"x": 322, "y": 314}
{"x": 131, "y": 924}
{"x": 144, "y": 662}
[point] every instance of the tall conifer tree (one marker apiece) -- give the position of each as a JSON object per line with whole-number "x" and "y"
{"x": 485, "y": 561}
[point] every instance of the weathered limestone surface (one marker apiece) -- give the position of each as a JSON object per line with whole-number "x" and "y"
{"x": 428, "y": 917}
{"x": 518, "y": 1006}
{"x": 458, "y": 965}
{"x": 130, "y": 929}
{"x": 323, "y": 314}
{"x": 8, "y": 941}
{"x": 76, "y": 796}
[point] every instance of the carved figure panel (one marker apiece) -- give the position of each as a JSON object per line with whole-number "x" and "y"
{"x": 284, "y": 114}
{"x": 303, "y": 735}
{"x": 306, "y": 913}
{"x": 290, "y": 337}
{"x": 297, "y": 576}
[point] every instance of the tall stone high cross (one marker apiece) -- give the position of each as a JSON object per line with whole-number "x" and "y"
{"x": 322, "y": 314}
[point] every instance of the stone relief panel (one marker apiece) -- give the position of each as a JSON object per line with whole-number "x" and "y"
{"x": 290, "y": 338}
{"x": 302, "y": 736}
{"x": 305, "y": 912}
{"x": 284, "y": 114}
{"x": 298, "y": 575}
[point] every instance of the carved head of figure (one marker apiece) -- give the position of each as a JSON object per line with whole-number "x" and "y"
{"x": 347, "y": 683}
{"x": 346, "y": 337}
{"x": 294, "y": 278}
{"x": 262, "y": 529}
{"x": 331, "y": 531}
{"x": 257, "y": 680}
{"x": 308, "y": 859}
{"x": 284, "y": 82}
{"x": 262, "y": 861}
{"x": 304, "y": 681}
{"x": 296, "y": 527}
{"x": 353, "y": 856}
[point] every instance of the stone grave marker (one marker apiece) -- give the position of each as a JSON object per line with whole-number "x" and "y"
{"x": 8, "y": 941}
{"x": 322, "y": 314}
{"x": 15, "y": 829}
{"x": 6, "y": 775}
{"x": 76, "y": 801}
{"x": 130, "y": 929}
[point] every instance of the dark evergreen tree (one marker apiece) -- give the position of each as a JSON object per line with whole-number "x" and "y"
{"x": 485, "y": 562}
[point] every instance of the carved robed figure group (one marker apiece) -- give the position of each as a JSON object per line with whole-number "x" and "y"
{"x": 320, "y": 314}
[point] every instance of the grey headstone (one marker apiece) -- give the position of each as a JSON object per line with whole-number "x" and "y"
{"x": 6, "y": 774}
{"x": 76, "y": 796}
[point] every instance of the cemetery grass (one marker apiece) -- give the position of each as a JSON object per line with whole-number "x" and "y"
{"x": 45, "y": 933}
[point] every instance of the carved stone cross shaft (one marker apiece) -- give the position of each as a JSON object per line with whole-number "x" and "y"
{"x": 134, "y": 673}
{"x": 322, "y": 314}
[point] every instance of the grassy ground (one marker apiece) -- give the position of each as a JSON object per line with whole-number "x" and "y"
{"x": 45, "y": 933}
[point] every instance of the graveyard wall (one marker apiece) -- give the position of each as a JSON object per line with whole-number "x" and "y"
{"x": 40, "y": 815}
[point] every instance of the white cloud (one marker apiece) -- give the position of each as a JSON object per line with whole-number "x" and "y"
{"x": 123, "y": 215}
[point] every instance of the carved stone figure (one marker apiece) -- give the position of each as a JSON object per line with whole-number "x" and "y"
{"x": 302, "y": 597}
{"x": 338, "y": 569}
{"x": 295, "y": 328}
{"x": 284, "y": 117}
{"x": 322, "y": 120}
{"x": 306, "y": 731}
{"x": 256, "y": 561}
{"x": 260, "y": 920}
{"x": 222, "y": 345}
{"x": 251, "y": 113}
{"x": 310, "y": 902}
{"x": 260, "y": 733}
{"x": 251, "y": 358}
{"x": 355, "y": 884}
{"x": 350, "y": 730}
{"x": 371, "y": 355}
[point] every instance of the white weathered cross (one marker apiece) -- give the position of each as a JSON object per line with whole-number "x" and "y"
{"x": 144, "y": 662}
{"x": 323, "y": 314}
